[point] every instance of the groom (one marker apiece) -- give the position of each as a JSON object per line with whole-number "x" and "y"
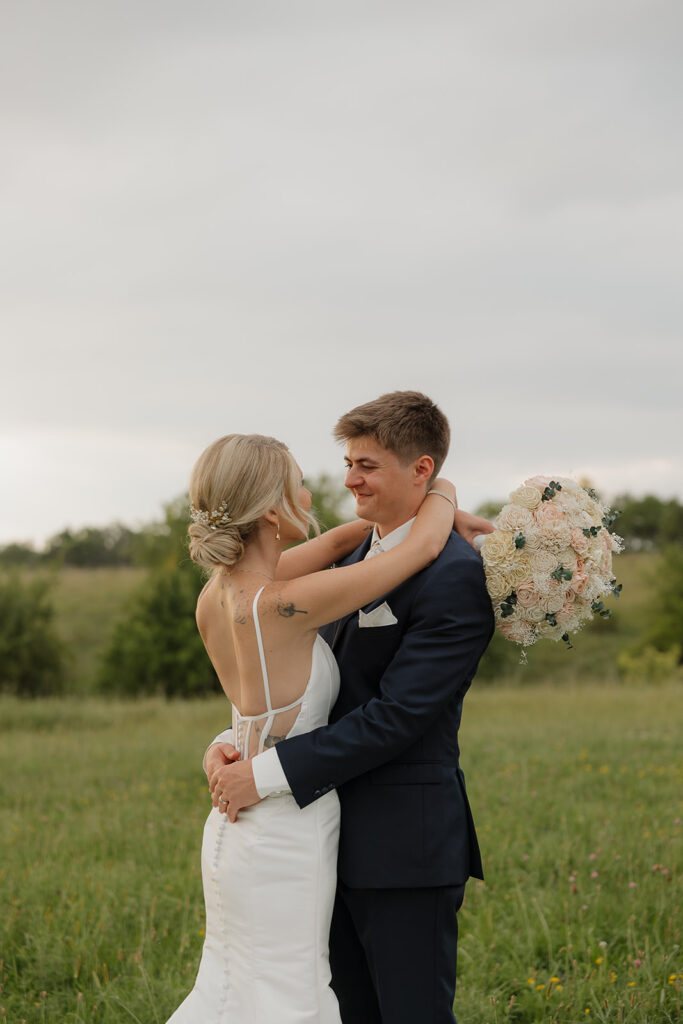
{"x": 407, "y": 842}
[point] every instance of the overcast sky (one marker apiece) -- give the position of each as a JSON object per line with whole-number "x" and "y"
{"x": 226, "y": 216}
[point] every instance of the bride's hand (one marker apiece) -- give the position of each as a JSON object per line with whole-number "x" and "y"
{"x": 469, "y": 526}
{"x": 217, "y": 756}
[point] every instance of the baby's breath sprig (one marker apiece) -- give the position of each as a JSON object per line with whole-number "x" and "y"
{"x": 610, "y": 517}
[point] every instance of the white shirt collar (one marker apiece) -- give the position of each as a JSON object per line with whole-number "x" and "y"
{"x": 393, "y": 538}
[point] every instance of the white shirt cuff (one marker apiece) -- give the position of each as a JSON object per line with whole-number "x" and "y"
{"x": 224, "y": 737}
{"x": 269, "y": 776}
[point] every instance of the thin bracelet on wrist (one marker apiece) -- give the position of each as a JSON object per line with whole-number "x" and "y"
{"x": 446, "y": 496}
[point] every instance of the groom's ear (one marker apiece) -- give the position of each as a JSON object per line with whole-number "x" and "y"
{"x": 423, "y": 469}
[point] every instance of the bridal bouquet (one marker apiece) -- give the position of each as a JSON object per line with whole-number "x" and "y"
{"x": 548, "y": 563}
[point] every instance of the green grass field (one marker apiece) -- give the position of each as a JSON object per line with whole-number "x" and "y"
{"x": 577, "y": 794}
{"x": 89, "y": 603}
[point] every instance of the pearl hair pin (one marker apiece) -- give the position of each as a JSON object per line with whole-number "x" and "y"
{"x": 219, "y": 516}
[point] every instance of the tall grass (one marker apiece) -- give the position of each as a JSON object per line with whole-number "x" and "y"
{"x": 577, "y": 797}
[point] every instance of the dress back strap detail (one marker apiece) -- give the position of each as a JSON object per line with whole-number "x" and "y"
{"x": 262, "y": 654}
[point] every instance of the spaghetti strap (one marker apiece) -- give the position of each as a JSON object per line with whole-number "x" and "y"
{"x": 259, "y": 640}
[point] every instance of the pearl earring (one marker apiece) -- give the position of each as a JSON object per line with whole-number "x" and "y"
{"x": 277, "y": 535}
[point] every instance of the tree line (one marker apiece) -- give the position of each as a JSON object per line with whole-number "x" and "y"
{"x": 645, "y": 524}
{"x": 156, "y": 649}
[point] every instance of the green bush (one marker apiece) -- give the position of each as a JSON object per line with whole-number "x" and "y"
{"x": 32, "y": 656}
{"x": 650, "y": 665}
{"x": 156, "y": 648}
{"x": 667, "y": 631}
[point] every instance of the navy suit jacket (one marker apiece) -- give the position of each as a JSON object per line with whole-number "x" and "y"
{"x": 391, "y": 748}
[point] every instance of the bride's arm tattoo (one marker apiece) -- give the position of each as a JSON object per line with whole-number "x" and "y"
{"x": 288, "y": 610}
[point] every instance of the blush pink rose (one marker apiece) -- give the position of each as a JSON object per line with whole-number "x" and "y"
{"x": 566, "y": 612}
{"x": 579, "y": 579}
{"x": 537, "y": 481}
{"x": 526, "y": 595}
{"x": 549, "y": 513}
{"x": 579, "y": 541}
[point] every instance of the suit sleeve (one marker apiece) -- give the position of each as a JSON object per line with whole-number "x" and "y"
{"x": 449, "y": 630}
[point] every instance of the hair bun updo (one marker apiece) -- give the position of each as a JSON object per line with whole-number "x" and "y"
{"x": 212, "y": 548}
{"x": 242, "y": 477}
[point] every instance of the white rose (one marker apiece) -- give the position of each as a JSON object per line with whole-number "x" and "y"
{"x": 497, "y": 584}
{"x": 567, "y": 559}
{"x": 518, "y": 569}
{"x": 515, "y": 518}
{"x": 535, "y": 614}
{"x": 556, "y": 536}
{"x": 526, "y": 497}
{"x": 533, "y": 539}
{"x": 498, "y": 548}
{"x": 568, "y": 485}
{"x": 579, "y": 518}
{"x": 543, "y": 562}
{"x": 552, "y": 601}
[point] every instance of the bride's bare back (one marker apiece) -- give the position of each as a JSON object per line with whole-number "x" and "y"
{"x": 225, "y": 618}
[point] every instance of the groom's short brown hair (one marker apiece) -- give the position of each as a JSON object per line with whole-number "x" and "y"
{"x": 406, "y": 423}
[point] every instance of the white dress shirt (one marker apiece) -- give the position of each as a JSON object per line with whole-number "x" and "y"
{"x": 269, "y": 776}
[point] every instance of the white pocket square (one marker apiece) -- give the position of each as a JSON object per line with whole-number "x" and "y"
{"x": 382, "y": 615}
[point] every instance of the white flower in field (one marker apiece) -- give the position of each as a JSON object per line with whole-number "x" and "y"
{"x": 526, "y": 497}
{"x": 515, "y": 518}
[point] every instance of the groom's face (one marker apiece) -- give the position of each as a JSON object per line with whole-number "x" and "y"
{"x": 387, "y": 491}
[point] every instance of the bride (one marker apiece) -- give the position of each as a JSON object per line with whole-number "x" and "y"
{"x": 269, "y": 878}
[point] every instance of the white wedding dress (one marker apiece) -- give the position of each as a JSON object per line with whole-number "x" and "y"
{"x": 269, "y": 883}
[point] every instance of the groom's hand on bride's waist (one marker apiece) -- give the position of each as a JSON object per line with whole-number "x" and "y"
{"x": 233, "y": 788}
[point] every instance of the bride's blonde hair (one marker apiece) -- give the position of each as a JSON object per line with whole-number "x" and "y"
{"x": 246, "y": 475}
